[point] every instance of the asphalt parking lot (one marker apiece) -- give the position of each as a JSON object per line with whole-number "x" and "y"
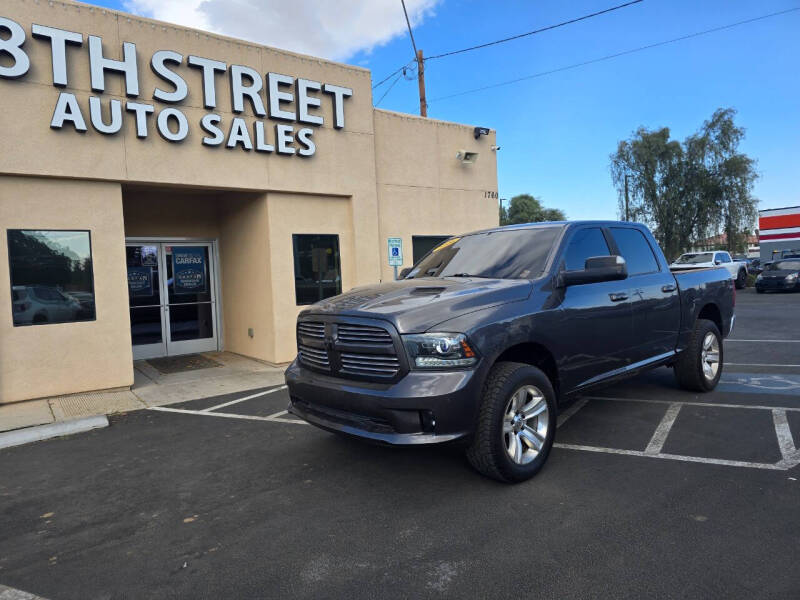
{"x": 650, "y": 492}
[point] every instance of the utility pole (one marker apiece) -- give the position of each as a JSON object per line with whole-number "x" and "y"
{"x": 627, "y": 213}
{"x": 423, "y": 104}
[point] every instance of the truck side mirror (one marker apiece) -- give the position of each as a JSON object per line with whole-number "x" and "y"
{"x": 404, "y": 272}
{"x": 717, "y": 262}
{"x": 597, "y": 269}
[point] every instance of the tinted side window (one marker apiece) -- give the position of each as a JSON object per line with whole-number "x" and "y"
{"x": 635, "y": 250}
{"x": 584, "y": 244}
{"x": 317, "y": 268}
{"x": 52, "y": 278}
{"x": 724, "y": 257}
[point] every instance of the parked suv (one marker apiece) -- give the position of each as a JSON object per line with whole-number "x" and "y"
{"x": 491, "y": 332}
{"x": 32, "y": 304}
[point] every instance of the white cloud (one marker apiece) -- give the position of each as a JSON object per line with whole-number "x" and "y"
{"x": 334, "y": 29}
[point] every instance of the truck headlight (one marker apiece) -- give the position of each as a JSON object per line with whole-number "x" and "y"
{"x": 437, "y": 350}
{"x": 760, "y": 277}
{"x": 792, "y": 277}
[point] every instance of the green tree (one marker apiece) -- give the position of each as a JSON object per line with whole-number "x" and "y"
{"x": 688, "y": 191}
{"x": 524, "y": 208}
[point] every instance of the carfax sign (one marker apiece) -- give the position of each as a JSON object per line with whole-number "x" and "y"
{"x": 395, "y": 251}
{"x": 189, "y": 270}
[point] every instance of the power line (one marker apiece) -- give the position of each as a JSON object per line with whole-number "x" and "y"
{"x": 535, "y": 31}
{"x": 389, "y": 89}
{"x": 616, "y": 55}
{"x": 410, "y": 33}
{"x": 393, "y": 73}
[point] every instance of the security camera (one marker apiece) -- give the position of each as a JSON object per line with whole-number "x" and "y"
{"x": 495, "y": 148}
{"x": 479, "y": 131}
{"x": 466, "y": 157}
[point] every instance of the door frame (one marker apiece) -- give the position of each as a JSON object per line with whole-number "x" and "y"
{"x": 158, "y": 350}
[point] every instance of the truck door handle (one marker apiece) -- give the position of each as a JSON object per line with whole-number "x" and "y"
{"x": 618, "y": 297}
{"x": 670, "y": 287}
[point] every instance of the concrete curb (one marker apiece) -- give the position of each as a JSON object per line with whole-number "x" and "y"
{"x": 27, "y": 435}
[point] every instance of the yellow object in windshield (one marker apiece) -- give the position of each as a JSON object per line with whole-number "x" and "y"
{"x": 443, "y": 245}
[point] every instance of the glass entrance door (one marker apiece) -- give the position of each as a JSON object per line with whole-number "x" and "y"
{"x": 171, "y": 290}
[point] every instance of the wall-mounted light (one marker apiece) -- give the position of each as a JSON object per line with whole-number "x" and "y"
{"x": 467, "y": 157}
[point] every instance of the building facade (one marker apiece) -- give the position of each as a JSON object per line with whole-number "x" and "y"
{"x": 778, "y": 231}
{"x": 166, "y": 191}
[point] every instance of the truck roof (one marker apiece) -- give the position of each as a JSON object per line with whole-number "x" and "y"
{"x": 555, "y": 223}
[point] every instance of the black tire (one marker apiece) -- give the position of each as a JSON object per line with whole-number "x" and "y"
{"x": 487, "y": 451}
{"x": 689, "y": 367}
{"x": 741, "y": 279}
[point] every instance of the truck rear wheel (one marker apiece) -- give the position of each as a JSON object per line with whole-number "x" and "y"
{"x": 516, "y": 424}
{"x": 699, "y": 366}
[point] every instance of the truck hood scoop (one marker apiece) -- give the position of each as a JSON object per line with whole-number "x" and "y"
{"x": 416, "y": 305}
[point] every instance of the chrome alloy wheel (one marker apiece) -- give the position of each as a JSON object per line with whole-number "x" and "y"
{"x": 710, "y": 356}
{"x": 525, "y": 423}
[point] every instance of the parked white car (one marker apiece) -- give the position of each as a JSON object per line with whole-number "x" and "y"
{"x": 697, "y": 260}
{"x": 33, "y": 304}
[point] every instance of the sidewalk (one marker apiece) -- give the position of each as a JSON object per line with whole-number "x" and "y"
{"x": 151, "y": 387}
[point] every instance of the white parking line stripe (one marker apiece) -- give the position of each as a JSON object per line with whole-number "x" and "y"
{"x": 697, "y": 459}
{"x": 278, "y": 414}
{"x": 766, "y": 341}
{"x": 662, "y": 431}
{"x": 7, "y": 593}
{"x": 710, "y": 404}
{"x": 579, "y": 404}
{"x": 729, "y": 364}
{"x": 784, "y": 433}
{"x": 258, "y": 395}
{"x": 202, "y": 413}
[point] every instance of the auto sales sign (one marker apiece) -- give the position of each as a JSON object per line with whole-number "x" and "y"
{"x": 279, "y": 113}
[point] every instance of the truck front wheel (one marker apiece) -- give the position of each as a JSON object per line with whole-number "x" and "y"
{"x": 516, "y": 424}
{"x": 699, "y": 366}
{"x": 741, "y": 279}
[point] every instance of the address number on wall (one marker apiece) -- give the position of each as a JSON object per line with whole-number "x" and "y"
{"x": 490, "y": 195}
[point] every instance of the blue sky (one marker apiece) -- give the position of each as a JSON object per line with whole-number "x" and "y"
{"x": 556, "y": 132}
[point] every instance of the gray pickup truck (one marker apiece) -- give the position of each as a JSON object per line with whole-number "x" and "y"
{"x": 487, "y": 336}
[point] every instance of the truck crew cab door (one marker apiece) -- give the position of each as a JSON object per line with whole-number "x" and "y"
{"x": 593, "y": 324}
{"x": 655, "y": 303}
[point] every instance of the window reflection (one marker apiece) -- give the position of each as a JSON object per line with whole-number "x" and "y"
{"x": 317, "y": 270}
{"x": 51, "y": 276}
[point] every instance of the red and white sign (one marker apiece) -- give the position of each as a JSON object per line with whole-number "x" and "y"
{"x": 779, "y": 224}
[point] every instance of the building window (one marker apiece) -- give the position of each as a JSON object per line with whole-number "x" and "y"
{"x": 422, "y": 244}
{"x": 51, "y": 276}
{"x": 317, "y": 271}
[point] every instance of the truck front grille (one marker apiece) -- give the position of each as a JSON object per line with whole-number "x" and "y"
{"x": 364, "y": 334}
{"x": 311, "y": 329}
{"x": 377, "y": 365}
{"x": 313, "y": 356}
{"x": 349, "y": 349}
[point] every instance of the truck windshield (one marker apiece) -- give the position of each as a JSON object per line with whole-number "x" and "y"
{"x": 503, "y": 254}
{"x": 695, "y": 259}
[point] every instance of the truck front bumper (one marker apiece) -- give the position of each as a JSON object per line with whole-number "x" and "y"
{"x": 422, "y": 408}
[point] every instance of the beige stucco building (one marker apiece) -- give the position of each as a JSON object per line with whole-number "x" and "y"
{"x": 164, "y": 191}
